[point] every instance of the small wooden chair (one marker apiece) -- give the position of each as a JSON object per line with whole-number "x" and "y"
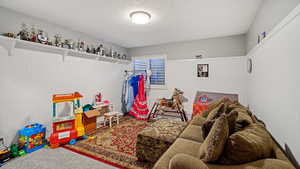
{"x": 169, "y": 107}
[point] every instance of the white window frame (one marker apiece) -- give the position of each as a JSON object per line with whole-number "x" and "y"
{"x": 163, "y": 56}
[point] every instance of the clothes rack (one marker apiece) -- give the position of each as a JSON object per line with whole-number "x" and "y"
{"x": 136, "y": 71}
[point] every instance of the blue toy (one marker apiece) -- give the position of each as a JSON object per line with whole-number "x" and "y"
{"x": 32, "y": 137}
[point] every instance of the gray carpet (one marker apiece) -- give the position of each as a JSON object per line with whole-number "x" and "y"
{"x": 55, "y": 159}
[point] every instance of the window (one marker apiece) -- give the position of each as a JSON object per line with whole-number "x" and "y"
{"x": 155, "y": 64}
{"x": 157, "y": 67}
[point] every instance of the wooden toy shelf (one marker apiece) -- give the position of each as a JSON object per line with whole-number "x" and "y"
{"x": 10, "y": 44}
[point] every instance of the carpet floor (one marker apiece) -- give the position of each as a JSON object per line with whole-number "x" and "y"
{"x": 59, "y": 158}
{"x": 116, "y": 145}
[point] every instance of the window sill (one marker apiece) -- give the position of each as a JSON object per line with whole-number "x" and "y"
{"x": 158, "y": 87}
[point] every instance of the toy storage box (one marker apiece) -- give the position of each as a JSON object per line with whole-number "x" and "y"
{"x": 32, "y": 137}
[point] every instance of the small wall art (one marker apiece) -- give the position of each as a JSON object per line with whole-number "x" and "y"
{"x": 202, "y": 70}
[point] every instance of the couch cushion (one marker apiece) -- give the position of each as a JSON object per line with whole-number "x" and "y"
{"x": 213, "y": 145}
{"x": 251, "y": 143}
{"x": 192, "y": 132}
{"x": 215, "y": 104}
{"x": 184, "y": 161}
{"x": 259, "y": 164}
{"x": 179, "y": 146}
{"x": 198, "y": 120}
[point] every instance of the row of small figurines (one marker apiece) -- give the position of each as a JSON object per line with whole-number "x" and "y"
{"x": 42, "y": 37}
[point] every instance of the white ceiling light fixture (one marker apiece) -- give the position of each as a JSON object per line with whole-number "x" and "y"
{"x": 140, "y": 17}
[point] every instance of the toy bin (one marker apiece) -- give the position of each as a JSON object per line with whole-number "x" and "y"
{"x": 32, "y": 137}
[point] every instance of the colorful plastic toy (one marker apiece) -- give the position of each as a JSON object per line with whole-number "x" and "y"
{"x": 32, "y": 137}
{"x": 5, "y": 154}
{"x": 78, "y": 122}
{"x": 66, "y": 129}
{"x": 22, "y": 153}
{"x": 14, "y": 150}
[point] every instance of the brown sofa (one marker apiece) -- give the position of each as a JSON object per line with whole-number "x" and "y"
{"x": 184, "y": 153}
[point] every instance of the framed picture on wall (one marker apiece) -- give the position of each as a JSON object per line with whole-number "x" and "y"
{"x": 202, "y": 70}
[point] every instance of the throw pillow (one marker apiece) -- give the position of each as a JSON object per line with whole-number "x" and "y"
{"x": 250, "y": 144}
{"x": 257, "y": 121}
{"x": 213, "y": 145}
{"x": 216, "y": 112}
{"x": 243, "y": 117}
{"x": 231, "y": 118}
{"x": 214, "y": 105}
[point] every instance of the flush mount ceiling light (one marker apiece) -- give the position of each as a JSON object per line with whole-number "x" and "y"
{"x": 140, "y": 17}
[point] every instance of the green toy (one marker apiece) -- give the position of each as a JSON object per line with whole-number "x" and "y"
{"x": 22, "y": 153}
{"x": 14, "y": 150}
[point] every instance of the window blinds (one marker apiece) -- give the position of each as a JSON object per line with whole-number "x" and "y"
{"x": 157, "y": 67}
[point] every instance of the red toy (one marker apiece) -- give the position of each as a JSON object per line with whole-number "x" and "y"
{"x": 64, "y": 130}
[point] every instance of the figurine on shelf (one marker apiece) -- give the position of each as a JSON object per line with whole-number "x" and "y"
{"x": 88, "y": 49}
{"x": 24, "y": 33}
{"x": 93, "y": 50}
{"x": 119, "y": 56}
{"x": 80, "y": 45}
{"x": 49, "y": 42}
{"x": 33, "y": 35}
{"x": 98, "y": 50}
{"x": 114, "y": 54}
{"x": 101, "y": 50}
{"x": 124, "y": 57}
{"x": 68, "y": 44}
{"x": 41, "y": 37}
{"x": 58, "y": 40}
{"x": 65, "y": 44}
{"x": 10, "y": 35}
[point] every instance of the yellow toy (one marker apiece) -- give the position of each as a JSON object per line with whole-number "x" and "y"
{"x": 78, "y": 122}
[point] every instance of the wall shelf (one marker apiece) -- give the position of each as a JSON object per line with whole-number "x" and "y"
{"x": 10, "y": 44}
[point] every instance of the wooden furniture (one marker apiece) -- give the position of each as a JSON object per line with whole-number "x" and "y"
{"x": 89, "y": 121}
{"x": 110, "y": 117}
{"x": 169, "y": 107}
{"x": 102, "y": 109}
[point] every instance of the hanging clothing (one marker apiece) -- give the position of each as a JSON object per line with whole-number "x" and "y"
{"x": 140, "y": 108}
{"x": 130, "y": 98}
{"x": 134, "y": 82}
{"x": 127, "y": 98}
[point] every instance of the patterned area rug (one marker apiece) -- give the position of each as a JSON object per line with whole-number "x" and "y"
{"x": 115, "y": 146}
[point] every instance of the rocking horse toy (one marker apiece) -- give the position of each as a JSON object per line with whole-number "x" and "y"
{"x": 169, "y": 107}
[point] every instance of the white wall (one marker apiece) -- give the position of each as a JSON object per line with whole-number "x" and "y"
{"x": 226, "y": 75}
{"x": 11, "y": 21}
{"x": 214, "y": 47}
{"x": 274, "y": 85}
{"x": 28, "y": 80}
{"x": 270, "y": 13}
